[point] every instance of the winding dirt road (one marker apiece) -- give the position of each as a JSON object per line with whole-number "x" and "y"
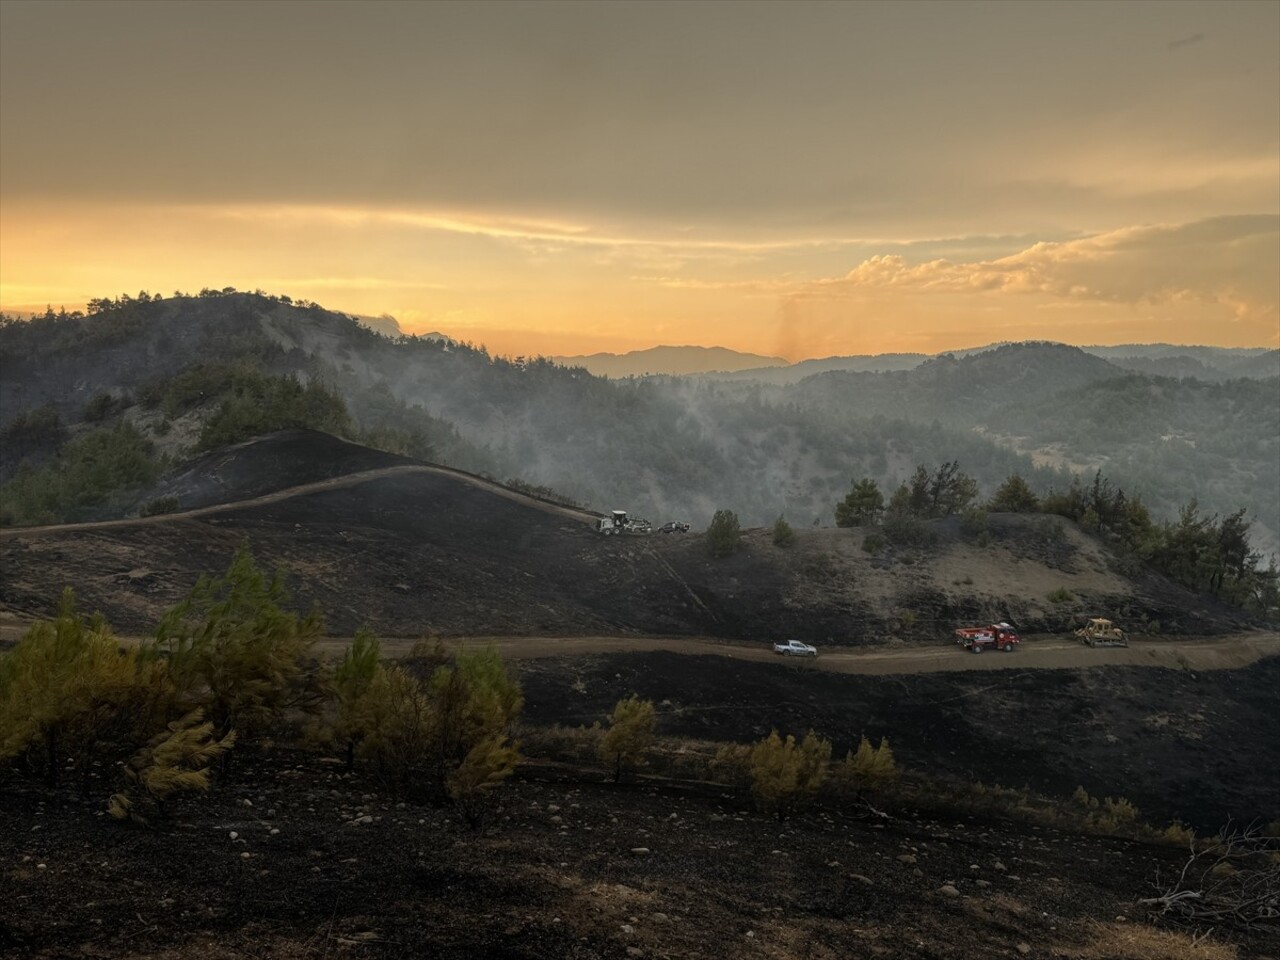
{"x": 1046, "y": 653}
{"x": 1037, "y": 652}
{"x": 333, "y": 483}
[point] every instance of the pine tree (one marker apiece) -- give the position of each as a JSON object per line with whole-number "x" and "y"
{"x": 862, "y": 506}
{"x": 785, "y": 775}
{"x": 485, "y": 766}
{"x": 629, "y": 738}
{"x": 446, "y": 738}
{"x": 1014, "y": 496}
{"x": 867, "y": 768}
{"x": 724, "y": 534}
{"x": 351, "y": 682}
{"x": 237, "y": 654}
{"x": 172, "y": 763}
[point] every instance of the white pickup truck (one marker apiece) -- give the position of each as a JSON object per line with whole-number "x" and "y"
{"x": 794, "y": 648}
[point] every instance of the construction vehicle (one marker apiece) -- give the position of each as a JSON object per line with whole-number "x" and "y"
{"x": 1102, "y": 633}
{"x": 1001, "y": 636}
{"x": 618, "y": 522}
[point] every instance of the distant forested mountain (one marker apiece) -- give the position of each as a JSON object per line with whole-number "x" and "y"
{"x": 1202, "y": 363}
{"x": 153, "y": 381}
{"x": 668, "y": 360}
{"x": 1167, "y": 439}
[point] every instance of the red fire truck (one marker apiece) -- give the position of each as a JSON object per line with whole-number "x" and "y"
{"x": 999, "y": 635}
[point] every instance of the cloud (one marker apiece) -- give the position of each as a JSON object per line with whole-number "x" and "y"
{"x": 1225, "y": 260}
{"x": 1186, "y": 41}
{"x": 345, "y": 283}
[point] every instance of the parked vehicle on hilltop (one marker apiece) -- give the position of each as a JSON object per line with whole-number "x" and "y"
{"x": 618, "y": 522}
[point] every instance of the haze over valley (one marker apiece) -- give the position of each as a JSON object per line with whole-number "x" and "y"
{"x": 789, "y": 481}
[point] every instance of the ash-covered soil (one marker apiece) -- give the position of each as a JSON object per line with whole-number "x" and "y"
{"x": 410, "y": 549}
{"x": 1202, "y": 747}
{"x": 289, "y": 458}
{"x": 296, "y": 859}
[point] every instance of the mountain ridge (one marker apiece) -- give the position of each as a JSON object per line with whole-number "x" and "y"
{"x": 668, "y": 359}
{"x": 674, "y": 448}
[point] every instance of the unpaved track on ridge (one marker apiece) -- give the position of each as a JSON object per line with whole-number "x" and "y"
{"x": 1047, "y": 653}
{"x": 334, "y": 483}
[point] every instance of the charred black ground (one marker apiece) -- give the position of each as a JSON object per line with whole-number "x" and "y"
{"x": 432, "y": 550}
{"x": 1203, "y": 747}
{"x": 263, "y": 465}
{"x": 411, "y": 550}
{"x": 296, "y": 859}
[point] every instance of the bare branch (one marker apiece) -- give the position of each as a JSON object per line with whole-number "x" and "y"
{"x": 1230, "y": 880}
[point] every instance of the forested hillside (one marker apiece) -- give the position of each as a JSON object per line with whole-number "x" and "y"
{"x": 142, "y": 384}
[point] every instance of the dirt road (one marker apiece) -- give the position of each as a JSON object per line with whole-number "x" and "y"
{"x": 334, "y": 483}
{"x": 1037, "y": 652}
{"x": 1219, "y": 653}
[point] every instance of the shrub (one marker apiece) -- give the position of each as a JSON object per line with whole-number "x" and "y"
{"x": 1179, "y": 834}
{"x": 868, "y": 768}
{"x": 908, "y": 531}
{"x": 783, "y": 535}
{"x": 160, "y": 505}
{"x": 873, "y": 543}
{"x": 1113, "y": 816}
{"x": 68, "y": 691}
{"x": 732, "y": 766}
{"x": 1120, "y": 811}
{"x": 820, "y": 566}
{"x": 1061, "y": 595}
{"x": 99, "y": 407}
{"x": 397, "y": 731}
{"x": 724, "y": 534}
{"x": 538, "y": 491}
{"x": 785, "y": 775}
{"x": 973, "y": 523}
{"x": 629, "y": 738}
{"x": 446, "y": 738}
{"x": 1051, "y": 529}
{"x": 1082, "y": 799}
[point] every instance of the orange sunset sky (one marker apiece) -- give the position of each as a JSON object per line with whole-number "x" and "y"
{"x": 788, "y": 179}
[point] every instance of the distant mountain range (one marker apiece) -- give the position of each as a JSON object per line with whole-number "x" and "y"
{"x": 721, "y": 363}
{"x": 669, "y": 360}
{"x": 160, "y": 373}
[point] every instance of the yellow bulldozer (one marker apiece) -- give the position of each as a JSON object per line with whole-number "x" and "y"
{"x": 1102, "y": 633}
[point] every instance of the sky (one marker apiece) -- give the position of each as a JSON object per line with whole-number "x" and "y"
{"x": 789, "y": 179}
